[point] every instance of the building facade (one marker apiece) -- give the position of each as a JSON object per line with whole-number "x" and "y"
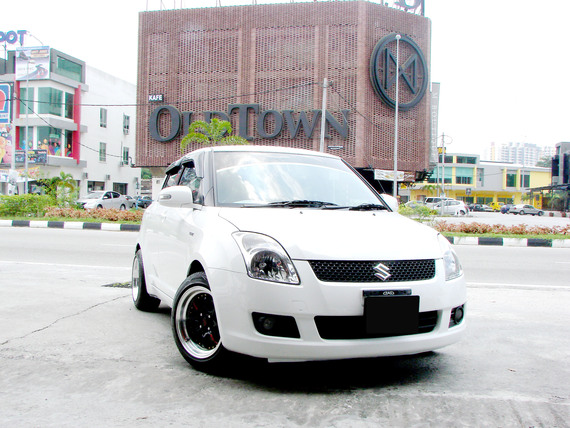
{"x": 465, "y": 177}
{"x": 263, "y": 68}
{"x": 67, "y": 117}
{"x": 526, "y": 154}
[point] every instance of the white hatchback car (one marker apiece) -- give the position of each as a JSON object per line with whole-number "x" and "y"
{"x": 453, "y": 207}
{"x": 290, "y": 255}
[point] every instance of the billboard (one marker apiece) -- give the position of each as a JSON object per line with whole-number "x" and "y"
{"x": 5, "y": 102}
{"x": 32, "y": 63}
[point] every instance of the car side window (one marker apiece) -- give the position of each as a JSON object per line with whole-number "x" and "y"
{"x": 172, "y": 179}
{"x": 190, "y": 179}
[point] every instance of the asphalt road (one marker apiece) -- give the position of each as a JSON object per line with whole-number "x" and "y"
{"x": 75, "y": 352}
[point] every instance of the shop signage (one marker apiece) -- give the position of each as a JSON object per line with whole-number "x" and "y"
{"x": 12, "y": 37}
{"x": 412, "y": 70}
{"x": 155, "y": 98}
{"x": 280, "y": 121}
{"x": 35, "y": 157}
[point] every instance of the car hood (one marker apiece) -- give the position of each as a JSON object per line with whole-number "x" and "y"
{"x": 312, "y": 234}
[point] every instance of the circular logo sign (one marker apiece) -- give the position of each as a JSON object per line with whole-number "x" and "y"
{"x": 412, "y": 70}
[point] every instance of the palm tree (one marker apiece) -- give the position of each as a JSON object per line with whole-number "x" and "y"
{"x": 211, "y": 133}
{"x": 61, "y": 188}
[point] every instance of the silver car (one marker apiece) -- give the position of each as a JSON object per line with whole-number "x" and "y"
{"x": 104, "y": 199}
{"x": 524, "y": 209}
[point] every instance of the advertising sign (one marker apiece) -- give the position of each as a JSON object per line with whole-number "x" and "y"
{"x": 32, "y": 63}
{"x": 35, "y": 157}
{"x": 5, "y": 102}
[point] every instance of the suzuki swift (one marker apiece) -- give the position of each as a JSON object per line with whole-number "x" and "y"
{"x": 290, "y": 255}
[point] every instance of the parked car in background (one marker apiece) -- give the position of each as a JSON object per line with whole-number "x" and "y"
{"x": 496, "y": 206}
{"x": 452, "y": 207}
{"x": 104, "y": 199}
{"x": 506, "y": 208}
{"x": 290, "y": 255}
{"x": 524, "y": 209}
{"x": 132, "y": 203}
{"x": 480, "y": 208}
{"x": 414, "y": 204}
{"x": 433, "y": 200}
{"x": 144, "y": 201}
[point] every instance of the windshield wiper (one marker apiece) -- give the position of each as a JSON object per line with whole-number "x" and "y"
{"x": 301, "y": 203}
{"x": 368, "y": 207}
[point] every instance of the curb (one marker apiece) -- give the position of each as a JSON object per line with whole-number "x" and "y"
{"x": 117, "y": 227}
{"x": 510, "y": 242}
{"x": 468, "y": 240}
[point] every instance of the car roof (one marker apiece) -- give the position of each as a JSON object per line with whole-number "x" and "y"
{"x": 249, "y": 148}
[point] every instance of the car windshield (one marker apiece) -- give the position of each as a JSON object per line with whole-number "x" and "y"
{"x": 286, "y": 180}
{"x": 94, "y": 195}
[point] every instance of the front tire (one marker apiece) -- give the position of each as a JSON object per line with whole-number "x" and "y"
{"x": 142, "y": 300}
{"x": 195, "y": 325}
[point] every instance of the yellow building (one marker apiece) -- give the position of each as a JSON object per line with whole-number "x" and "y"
{"x": 465, "y": 177}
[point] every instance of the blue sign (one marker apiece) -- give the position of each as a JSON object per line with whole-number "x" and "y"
{"x": 12, "y": 37}
{"x": 5, "y": 102}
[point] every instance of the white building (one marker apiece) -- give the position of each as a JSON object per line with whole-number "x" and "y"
{"x": 76, "y": 119}
{"x": 526, "y": 154}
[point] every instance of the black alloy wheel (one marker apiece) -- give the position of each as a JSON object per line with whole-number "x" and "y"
{"x": 195, "y": 324}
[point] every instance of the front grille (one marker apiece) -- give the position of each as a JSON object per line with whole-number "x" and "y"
{"x": 363, "y": 271}
{"x": 354, "y": 327}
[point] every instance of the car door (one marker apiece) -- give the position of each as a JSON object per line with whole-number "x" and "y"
{"x": 179, "y": 231}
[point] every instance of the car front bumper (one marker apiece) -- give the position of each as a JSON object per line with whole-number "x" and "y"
{"x": 237, "y": 297}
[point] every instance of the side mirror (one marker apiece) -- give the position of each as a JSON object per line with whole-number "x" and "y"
{"x": 391, "y": 201}
{"x": 176, "y": 197}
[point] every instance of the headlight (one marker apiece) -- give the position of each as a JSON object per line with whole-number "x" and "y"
{"x": 265, "y": 258}
{"x": 451, "y": 262}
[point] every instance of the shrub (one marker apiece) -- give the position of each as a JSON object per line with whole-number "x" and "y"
{"x": 519, "y": 229}
{"x": 96, "y": 214}
{"x": 25, "y": 205}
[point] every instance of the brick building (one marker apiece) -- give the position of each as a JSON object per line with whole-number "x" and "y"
{"x": 263, "y": 68}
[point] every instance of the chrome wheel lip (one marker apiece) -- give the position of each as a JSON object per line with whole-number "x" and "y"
{"x": 135, "y": 281}
{"x": 195, "y": 350}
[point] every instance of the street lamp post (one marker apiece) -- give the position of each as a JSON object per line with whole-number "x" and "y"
{"x": 443, "y": 169}
{"x": 397, "y": 106}
{"x": 27, "y": 123}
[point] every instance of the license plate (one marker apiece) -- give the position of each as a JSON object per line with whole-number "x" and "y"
{"x": 392, "y": 315}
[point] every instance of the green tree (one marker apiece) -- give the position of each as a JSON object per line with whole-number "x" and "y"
{"x": 213, "y": 134}
{"x": 545, "y": 162}
{"x": 61, "y": 188}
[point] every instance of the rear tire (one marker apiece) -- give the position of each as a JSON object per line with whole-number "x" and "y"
{"x": 195, "y": 325}
{"x": 122, "y": 208}
{"x": 522, "y": 213}
{"x": 142, "y": 300}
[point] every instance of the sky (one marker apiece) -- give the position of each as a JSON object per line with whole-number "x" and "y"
{"x": 503, "y": 65}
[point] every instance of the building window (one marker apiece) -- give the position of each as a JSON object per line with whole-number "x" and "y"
{"x": 69, "y": 143}
{"x": 466, "y": 159}
{"x": 103, "y": 118}
{"x": 68, "y": 105}
{"x": 50, "y": 101}
{"x": 69, "y": 69}
{"x": 26, "y": 101}
{"x": 125, "y": 155}
{"x": 102, "y": 152}
{"x": 22, "y": 140}
{"x": 511, "y": 179}
{"x": 50, "y": 139}
{"x": 525, "y": 179}
{"x": 126, "y": 124}
{"x": 463, "y": 175}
